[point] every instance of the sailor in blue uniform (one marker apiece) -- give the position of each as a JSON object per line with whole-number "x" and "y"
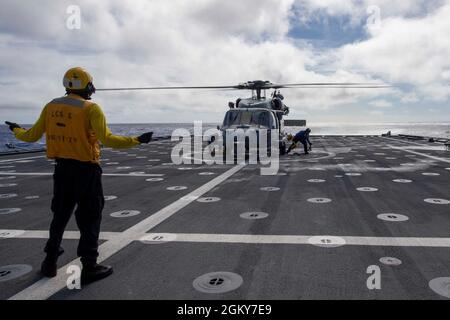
{"x": 303, "y": 137}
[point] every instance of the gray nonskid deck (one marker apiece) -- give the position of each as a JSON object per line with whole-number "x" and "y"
{"x": 316, "y": 230}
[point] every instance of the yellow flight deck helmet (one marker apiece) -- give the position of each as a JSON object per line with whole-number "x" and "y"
{"x": 79, "y": 81}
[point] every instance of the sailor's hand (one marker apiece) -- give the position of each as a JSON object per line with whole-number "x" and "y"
{"x": 12, "y": 125}
{"x": 145, "y": 138}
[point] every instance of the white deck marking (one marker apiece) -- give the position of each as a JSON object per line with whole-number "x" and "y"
{"x": 46, "y": 287}
{"x": 421, "y": 154}
{"x": 415, "y": 152}
{"x": 16, "y": 159}
{"x": 239, "y": 238}
{"x": 104, "y": 174}
{"x": 302, "y": 239}
{"x": 402, "y": 141}
{"x": 43, "y": 234}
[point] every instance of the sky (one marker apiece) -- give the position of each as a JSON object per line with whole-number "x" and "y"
{"x": 213, "y": 42}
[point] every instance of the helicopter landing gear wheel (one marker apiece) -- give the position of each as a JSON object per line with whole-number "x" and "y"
{"x": 282, "y": 148}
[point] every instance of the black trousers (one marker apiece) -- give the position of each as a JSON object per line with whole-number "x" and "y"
{"x": 77, "y": 184}
{"x": 305, "y": 145}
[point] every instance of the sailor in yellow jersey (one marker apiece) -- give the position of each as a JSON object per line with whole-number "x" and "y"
{"x": 74, "y": 126}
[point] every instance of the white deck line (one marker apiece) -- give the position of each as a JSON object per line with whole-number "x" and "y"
{"x": 17, "y": 159}
{"x": 421, "y": 154}
{"x": 103, "y": 174}
{"x": 415, "y": 152}
{"x": 402, "y": 141}
{"x": 303, "y": 239}
{"x": 44, "y": 234}
{"x": 247, "y": 238}
{"x": 45, "y": 288}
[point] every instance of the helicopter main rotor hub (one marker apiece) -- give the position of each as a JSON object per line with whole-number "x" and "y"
{"x": 256, "y": 85}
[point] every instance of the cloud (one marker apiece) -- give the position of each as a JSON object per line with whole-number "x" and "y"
{"x": 409, "y": 98}
{"x": 381, "y": 104}
{"x": 357, "y": 9}
{"x": 376, "y": 113}
{"x": 198, "y": 42}
{"x": 412, "y": 51}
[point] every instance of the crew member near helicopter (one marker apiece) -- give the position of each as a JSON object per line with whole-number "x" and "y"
{"x": 74, "y": 126}
{"x": 303, "y": 137}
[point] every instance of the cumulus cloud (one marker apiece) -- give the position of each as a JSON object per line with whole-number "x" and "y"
{"x": 381, "y": 104}
{"x": 409, "y": 97}
{"x": 199, "y": 42}
{"x": 413, "y": 51}
{"x": 358, "y": 11}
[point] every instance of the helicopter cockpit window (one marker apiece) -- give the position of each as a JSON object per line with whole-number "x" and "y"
{"x": 231, "y": 118}
{"x": 235, "y": 118}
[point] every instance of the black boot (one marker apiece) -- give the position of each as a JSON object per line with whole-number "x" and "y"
{"x": 95, "y": 272}
{"x": 49, "y": 268}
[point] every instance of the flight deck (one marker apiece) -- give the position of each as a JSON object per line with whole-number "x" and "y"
{"x": 360, "y": 217}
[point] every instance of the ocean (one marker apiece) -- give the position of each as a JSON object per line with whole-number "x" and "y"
{"x": 438, "y": 130}
{"x": 159, "y": 130}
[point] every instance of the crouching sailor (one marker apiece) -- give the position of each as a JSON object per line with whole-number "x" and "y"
{"x": 303, "y": 138}
{"x": 74, "y": 126}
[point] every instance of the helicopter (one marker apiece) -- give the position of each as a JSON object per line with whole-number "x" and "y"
{"x": 258, "y": 111}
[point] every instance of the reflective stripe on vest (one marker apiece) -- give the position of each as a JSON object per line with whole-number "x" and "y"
{"x": 69, "y": 101}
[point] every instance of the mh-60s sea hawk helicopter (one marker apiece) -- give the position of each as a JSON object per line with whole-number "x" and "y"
{"x": 258, "y": 112}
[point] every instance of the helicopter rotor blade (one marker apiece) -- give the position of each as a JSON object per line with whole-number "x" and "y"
{"x": 167, "y": 88}
{"x": 326, "y": 84}
{"x": 341, "y": 87}
{"x": 251, "y": 86}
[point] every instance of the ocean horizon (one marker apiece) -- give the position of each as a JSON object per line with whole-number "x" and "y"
{"x": 428, "y": 129}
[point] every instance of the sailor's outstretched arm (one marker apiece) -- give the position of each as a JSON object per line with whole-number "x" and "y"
{"x": 98, "y": 123}
{"x": 34, "y": 133}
